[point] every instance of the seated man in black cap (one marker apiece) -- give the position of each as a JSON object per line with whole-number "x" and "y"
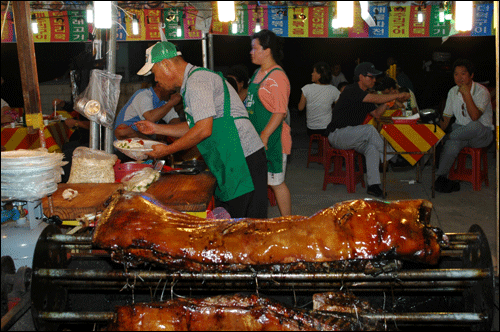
{"x": 346, "y": 130}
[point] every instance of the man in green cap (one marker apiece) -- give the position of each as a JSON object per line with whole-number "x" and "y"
{"x": 218, "y": 124}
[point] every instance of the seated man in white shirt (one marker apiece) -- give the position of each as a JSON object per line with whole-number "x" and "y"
{"x": 470, "y": 104}
{"x": 153, "y": 104}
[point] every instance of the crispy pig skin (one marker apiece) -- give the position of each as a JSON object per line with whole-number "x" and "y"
{"x": 229, "y": 313}
{"x": 136, "y": 227}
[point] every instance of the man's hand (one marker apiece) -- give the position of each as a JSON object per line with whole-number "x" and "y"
{"x": 146, "y": 127}
{"x": 159, "y": 150}
{"x": 464, "y": 89}
{"x": 403, "y": 96}
{"x": 175, "y": 98}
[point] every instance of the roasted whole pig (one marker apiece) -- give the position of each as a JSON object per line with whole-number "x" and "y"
{"x": 231, "y": 313}
{"x": 136, "y": 228}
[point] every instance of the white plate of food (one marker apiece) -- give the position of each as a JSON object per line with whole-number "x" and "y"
{"x": 135, "y": 148}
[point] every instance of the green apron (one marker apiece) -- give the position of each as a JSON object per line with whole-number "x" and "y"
{"x": 223, "y": 153}
{"x": 259, "y": 116}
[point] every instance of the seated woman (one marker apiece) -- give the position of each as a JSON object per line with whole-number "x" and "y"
{"x": 318, "y": 99}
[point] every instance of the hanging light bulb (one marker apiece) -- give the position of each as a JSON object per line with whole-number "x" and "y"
{"x": 234, "y": 27}
{"x": 90, "y": 14}
{"x": 179, "y": 29}
{"x": 420, "y": 15}
{"x": 34, "y": 24}
{"x": 345, "y": 15}
{"x": 257, "y": 26}
{"x": 463, "y": 15}
{"x": 441, "y": 13}
{"x": 102, "y": 11}
{"x": 135, "y": 25}
{"x": 226, "y": 11}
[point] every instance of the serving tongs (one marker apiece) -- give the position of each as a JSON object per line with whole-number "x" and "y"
{"x": 187, "y": 171}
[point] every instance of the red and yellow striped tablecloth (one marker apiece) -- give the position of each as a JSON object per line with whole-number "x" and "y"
{"x": 56, "y": 134}
{"x": 412, "y": 138}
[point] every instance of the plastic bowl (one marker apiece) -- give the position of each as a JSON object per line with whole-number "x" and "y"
{"x": 122, "y": 170}
{"x": 136, "y": 153}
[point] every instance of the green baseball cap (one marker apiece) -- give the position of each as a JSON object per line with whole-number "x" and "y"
{"x": 156, "y": 53}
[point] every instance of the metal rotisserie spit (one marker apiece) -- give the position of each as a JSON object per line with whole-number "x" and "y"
{"x": 75, "y": 281}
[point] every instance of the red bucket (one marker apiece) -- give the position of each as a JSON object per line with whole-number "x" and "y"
{"x": 121, "y": 170}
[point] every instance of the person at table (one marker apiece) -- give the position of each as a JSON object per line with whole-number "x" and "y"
{"x": 152, "y": 104}
{"x": 240, "y": 74}
{"x": 342, "y": 86}
{"x": 318, "y": 99}
{"x": 8, "y": 114}
{"x": 267, "y": 103}
{"x": 387, "y": 85}
{"x": 470, "y": 103}
{"x": 337, "y": 75}
{"x": 218, "y": 124}
{"x": 346, "y": 130}
{"x": 401, "y": 77}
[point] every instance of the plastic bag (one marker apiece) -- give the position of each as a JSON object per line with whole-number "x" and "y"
{"x": 92, "y": 166}
{"x": 103, "y": 87}
{"x": 141, "y": 180}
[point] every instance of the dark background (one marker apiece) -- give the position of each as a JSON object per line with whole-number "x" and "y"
{"x": 53, "y": 60}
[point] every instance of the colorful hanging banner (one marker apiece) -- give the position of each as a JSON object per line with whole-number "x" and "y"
{"x": 436, "y": 28}
{"x": 396, "y": 21}
{"x": 420, "y": 29}
{"x": 190, "y": 31}
{"x": 257, "y": 14}
{"x": 360, "y": 28}
{"x": 483, "y": 20}
{"x": 298, "y": 19}
{"x": 399, "y": 22}
{"x": 241, "y": 21}
{"x": 335, "y": 33}
{"x": 218, "y": 28}
{"x": 173, "y": 17}
{"x": 318, "y": 22}
{"x": 381, "y": 17}
{"x": 8, "y": 33}
{"x": 278, "y": 21}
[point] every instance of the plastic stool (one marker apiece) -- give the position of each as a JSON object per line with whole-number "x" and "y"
{"x": 322, "y": 146}
{"x": 477, "y": 174}
{"x": 270, "y": 196}
{"x": 350, "y": 177}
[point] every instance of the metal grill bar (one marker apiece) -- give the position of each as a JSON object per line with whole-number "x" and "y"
{"x": 438, "y": 274}
{"x": 76, "y": 316}
{"x": 421, "y": 317}
{"x": 430, "y": 317}
{"x": 453, "y": 237}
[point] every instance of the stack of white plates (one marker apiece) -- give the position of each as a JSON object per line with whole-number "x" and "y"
{"x": 30, "y": 174}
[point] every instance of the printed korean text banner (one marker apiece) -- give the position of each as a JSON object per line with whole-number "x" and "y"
{"x": 313, "y": 22}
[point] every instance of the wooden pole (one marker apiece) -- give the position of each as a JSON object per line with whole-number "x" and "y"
{"x": 27, "y": 62}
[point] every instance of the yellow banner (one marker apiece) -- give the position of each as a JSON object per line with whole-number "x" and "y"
{"x": 399, "y": 22}
{"x": 298, "y": 24}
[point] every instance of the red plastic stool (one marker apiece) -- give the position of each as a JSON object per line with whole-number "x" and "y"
{"x": 477, "y": 174}
{"x": 350, "y": 177}
{"x": 322, "y": 146}
{"x": 270, "y": 196}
